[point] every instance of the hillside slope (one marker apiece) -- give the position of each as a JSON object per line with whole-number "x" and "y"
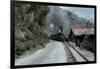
{"x": 30, "y": 27}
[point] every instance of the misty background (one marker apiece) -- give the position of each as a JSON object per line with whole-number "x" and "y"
{"x": 59, "y": 20}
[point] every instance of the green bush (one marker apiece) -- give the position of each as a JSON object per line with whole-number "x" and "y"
{"x": 20, "y": 48}
{"x": 85, "y": 44}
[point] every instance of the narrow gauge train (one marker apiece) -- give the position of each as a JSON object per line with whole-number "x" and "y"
{"x": 58, "y": 37}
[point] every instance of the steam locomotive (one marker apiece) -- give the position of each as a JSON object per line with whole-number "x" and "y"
{"x": 58, "y": 37}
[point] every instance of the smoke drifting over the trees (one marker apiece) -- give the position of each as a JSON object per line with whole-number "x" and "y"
{"x": 57, "y": 18}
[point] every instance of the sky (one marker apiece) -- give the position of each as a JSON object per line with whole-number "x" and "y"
{"x": 87, "y": 13}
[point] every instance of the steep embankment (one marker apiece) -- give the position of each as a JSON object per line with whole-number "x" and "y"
{"x": 30, "y": 27}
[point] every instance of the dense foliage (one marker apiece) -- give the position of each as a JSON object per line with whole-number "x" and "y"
{"x": 86, "y": 43}
{"x": 30, "y": 27}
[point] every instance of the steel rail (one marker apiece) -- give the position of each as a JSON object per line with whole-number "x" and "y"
{"x": 76, "y": 51}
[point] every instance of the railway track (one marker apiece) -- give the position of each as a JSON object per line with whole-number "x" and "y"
{"x": 73, "y": 54}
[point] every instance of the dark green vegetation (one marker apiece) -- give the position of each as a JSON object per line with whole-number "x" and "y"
{"x": 85, "y": 44}
{"x": 30, "y": 27}
{"x": 78, "y": 22}
{"x": 88, "y": 43}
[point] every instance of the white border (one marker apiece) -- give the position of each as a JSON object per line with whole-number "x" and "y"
{"x": 5, "y": 35}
